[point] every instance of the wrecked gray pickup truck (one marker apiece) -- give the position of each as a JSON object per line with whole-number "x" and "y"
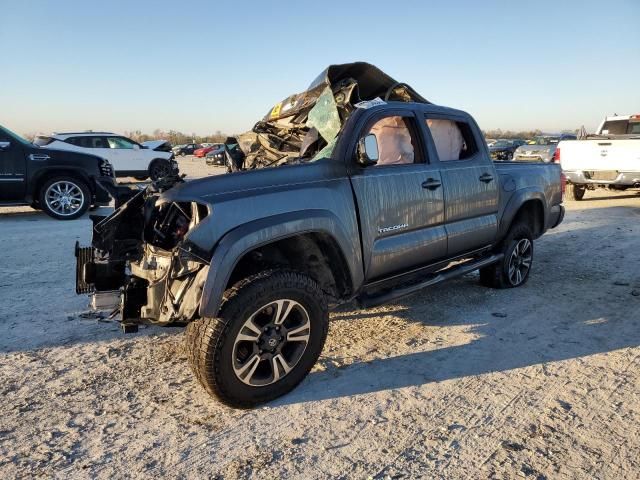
{"x": 386, "y": 194}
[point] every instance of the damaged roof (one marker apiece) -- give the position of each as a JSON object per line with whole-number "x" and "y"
{"x": 305, "y": 126}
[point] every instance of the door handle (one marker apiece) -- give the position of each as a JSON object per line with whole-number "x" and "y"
{"x": 486, "y": 177}
{"x": 431, "y": 183}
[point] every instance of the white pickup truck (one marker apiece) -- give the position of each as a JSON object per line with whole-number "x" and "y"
{"x": 608, "y": 159}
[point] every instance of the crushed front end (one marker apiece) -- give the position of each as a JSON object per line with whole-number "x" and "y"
{"x": 140, "y": 263}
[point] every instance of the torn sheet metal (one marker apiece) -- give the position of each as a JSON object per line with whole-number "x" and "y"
{"x": 304, "y": 126}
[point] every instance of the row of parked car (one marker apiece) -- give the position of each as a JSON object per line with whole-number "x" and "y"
{"x": 609, "y": 158}
{"x": 213, "y": 153}
{"x": 541, "y": 148}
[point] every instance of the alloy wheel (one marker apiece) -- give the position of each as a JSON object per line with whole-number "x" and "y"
{"x": 64, "y": 198}
{"x": 520, "y": 262}
{"x": 271, "y": 342}
{"x": 160, "y": 170}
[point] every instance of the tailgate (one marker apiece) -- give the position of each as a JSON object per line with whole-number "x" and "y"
{"x": 602, "y": 154}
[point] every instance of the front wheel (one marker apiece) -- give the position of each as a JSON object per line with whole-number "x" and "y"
{"x": 159, "y": 169}
{"x": 513, "y": 270}
{"x": 65, "y": 198}
{"x": 269, "y": 334}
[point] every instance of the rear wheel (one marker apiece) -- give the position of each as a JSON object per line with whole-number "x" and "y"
{"x": 65, "y": 198}
{"x": 577, "y": 192}
{"x": 270, "y": 332}
{"x": 513, "y": 270}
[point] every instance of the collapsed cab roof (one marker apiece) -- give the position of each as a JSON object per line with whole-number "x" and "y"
{"x": 304, "y": 126}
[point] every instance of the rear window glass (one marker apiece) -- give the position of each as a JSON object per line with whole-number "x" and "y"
{"x": 615, "y": 127}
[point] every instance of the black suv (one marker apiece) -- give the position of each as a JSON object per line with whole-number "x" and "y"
{"x": 62, "y": 183}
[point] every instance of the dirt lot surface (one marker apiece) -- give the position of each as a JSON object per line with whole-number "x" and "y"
{"x": 458, "y": 381}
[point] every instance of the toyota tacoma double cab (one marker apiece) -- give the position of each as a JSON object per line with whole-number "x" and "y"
{"x": 61, "y": 183}
{"x": 386, "y": 194}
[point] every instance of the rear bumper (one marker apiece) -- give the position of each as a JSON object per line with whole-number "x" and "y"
{"x": 623, "y": 178}
{"x": 556, "y": 216}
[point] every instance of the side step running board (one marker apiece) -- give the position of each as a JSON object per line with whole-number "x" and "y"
{"x": 367, "y": 301}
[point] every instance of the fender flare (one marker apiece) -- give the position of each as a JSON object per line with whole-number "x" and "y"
{"x": 43, "y": 173}
{"x": 241, "y": 240}
{"x": 515, "y": 202}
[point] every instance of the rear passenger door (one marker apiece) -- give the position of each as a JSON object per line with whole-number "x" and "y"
{"x": 470, "y": 181}
{"x": 400, "y": 199}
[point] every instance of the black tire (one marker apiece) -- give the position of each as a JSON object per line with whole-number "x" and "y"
{"x": 79, "y": 197}
{"x": 158, "y": 169}
{"x": 219, "y": 353}
{"x": 500, "y": 275}
{"x": 577, "y": 192}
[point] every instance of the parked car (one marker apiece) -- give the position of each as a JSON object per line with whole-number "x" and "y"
{"x": 541, "y": 149}
{"x": 253, "y": 261}
{"x": 62, "y": 183}
{"x": 188, "y": 149}
{"x": 129, "y": 158}
{"x": 216, "y": 156}
{"x": 608, "y": 159}
{"x": 202, "y": 152}
{"x": 503, "y": 149}
{"x": 490, "y": 141}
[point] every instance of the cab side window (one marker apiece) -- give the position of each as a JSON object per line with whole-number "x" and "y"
{"x": 453, "y": 139}
{"x": 396, "y": 139}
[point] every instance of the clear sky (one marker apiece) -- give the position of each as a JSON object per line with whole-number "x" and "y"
{"x": 202, "y": 66}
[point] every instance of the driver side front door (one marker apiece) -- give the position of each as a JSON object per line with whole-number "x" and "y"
{"x": 400, "y": 200}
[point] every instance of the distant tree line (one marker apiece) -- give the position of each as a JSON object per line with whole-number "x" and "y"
{"x": 175, "y": 137}
{"x": 179, "y": 138}
{"x": 499, "y": 133}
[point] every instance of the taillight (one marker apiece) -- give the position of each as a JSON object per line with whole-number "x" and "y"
{"x": 563, "y": 184}
{"x": 556, "y": 156}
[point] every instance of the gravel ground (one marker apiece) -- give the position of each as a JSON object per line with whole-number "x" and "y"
{"x": 458, "y": 381}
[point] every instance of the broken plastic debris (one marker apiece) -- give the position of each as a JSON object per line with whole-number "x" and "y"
{"x": 370, "y": 103}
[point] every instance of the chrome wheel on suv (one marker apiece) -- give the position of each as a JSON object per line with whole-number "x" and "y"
{"x": 65, "y": 198}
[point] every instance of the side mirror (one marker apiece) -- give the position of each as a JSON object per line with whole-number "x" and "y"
{"x": 136, "y": 147}
{"x": 4, "y": 146}
{"x": 368, "y": 150}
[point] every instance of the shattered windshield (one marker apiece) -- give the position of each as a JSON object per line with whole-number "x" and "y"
{"x": 305, "y": 126}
